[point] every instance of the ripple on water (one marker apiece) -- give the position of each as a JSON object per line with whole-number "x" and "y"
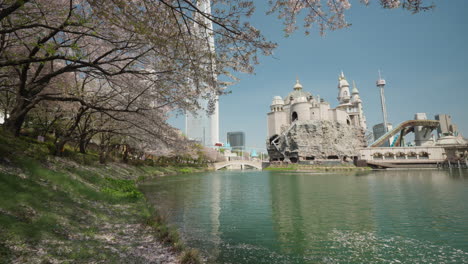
{"x": 389, "y": 217}
{"x": 368, "y": 247}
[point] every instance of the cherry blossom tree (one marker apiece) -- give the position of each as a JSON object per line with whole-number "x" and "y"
{"x": 45, "y": 39}
{"x": 330, "y": 14}
{"x": 121, "y": 65}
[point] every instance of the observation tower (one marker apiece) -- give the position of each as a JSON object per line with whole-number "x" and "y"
{"x": 381, "y": 84}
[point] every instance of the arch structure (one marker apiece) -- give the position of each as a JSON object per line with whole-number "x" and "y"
{"x": 254, "y": 164}
{"x": 404, "y": 128}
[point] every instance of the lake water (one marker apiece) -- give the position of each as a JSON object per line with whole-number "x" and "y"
{"x": 282, "y": 217}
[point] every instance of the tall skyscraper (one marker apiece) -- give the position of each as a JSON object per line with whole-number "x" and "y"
{"x": 200, "y": 126}
{"x": 236, "y": 140}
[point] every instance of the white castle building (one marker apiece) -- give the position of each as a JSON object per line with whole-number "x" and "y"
{"x": 303, "y": 106}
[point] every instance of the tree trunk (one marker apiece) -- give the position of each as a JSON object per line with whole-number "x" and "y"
{"x": 59, "y": 146}
{"x": 103, "y": 153}
{"x": 17, "y": 116}
{"x": 125, "y": 154}
{"x": 83, "y": 144}
{"x": 102, "y": 157}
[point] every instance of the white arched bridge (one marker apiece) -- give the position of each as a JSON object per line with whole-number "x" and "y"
{"x": 242, "y": 163}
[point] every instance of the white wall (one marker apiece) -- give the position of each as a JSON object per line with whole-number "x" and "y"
{"x": 315, "y": 113}
{"x": 275, "y": 121}
{"x": 302, "y": 110}
{"x": 338, "y": 115}
{"x": 324, "y": 109}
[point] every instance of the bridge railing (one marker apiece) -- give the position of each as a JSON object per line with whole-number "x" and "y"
{"x": 253, "y": 163}
{"x": 243, "y": 158}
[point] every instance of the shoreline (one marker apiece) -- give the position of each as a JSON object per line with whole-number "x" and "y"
{"x": 315, "y": 168}
{"x": 72, "y": 209}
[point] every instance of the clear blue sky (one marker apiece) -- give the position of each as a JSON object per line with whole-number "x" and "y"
{"x": 423, "y": 57}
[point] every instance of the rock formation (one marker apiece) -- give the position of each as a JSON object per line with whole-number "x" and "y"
{"x": 317, "y": 140}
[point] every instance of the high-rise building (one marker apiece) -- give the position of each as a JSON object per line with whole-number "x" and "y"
{"x": 200, "y": 126}
{"x": 380, "y": 130}
{"x": 236, "y": 140}
{"x": 446, "y": 127}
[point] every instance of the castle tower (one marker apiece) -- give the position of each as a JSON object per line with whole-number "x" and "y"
{"x": 357, "y": 102}
{"x": 343, "y": 89}
{"x": 300, "y": 106}
{"x": 277, "y": 116}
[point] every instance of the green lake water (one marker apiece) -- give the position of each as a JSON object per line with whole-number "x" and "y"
{"x": 281, "y": 217}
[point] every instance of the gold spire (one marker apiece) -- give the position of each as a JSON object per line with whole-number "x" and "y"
{"x": 298, "y": 86}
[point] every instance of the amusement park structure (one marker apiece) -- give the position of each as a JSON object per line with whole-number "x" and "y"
{"x": 449, "y": 150}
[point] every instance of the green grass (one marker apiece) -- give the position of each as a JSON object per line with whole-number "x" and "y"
{"x": 290, "y": 167}
{"x": 60, "y": 206}
{"x": 185, "y": 170}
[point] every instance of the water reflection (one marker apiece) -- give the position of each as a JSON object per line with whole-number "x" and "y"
{"x": 423, "y": 205}
{"x": 306, "y": 208}
{"x": 215, "y": 213}
{"x": 368, "y": 217}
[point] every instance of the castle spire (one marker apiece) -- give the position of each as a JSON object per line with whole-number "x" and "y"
{"x": 298, "y": 85}
{"x": 343, "y": 90}
{"x": 341, "y": 76}
{"x": 355, "y": 90}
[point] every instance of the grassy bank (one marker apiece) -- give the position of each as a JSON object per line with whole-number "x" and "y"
{"x": 315, "y": 168}
{"x": 72, "y": 209}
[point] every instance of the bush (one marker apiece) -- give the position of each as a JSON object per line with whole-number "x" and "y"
{"x": 185, "y": 170}
{"x": 190, "y": 256}
{"x": 122, "y": 189}
{"x": 136, "y": 162}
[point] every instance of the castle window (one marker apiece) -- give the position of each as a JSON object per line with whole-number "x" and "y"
{"x": 294, "y": 116}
